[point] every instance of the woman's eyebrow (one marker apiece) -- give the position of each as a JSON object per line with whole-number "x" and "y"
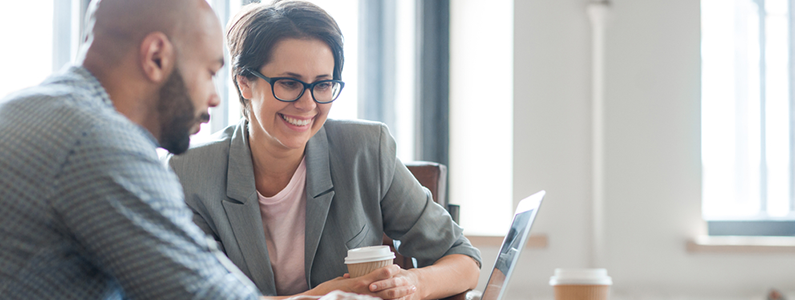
{"x": 299, "y": 76}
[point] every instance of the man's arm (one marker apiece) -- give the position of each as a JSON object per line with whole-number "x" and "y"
{"x": 127, "y": 211}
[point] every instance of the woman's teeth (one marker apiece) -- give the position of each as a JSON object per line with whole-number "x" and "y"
{"x": 296, "y": 122}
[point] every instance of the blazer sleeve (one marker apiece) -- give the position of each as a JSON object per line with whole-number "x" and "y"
{"x": 424, "y": 228}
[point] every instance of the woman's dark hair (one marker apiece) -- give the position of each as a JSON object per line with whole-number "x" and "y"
{"x": 253, "y": 33}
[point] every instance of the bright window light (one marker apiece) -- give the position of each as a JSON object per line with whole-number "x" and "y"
{"x": 26, "y": 55}
{"x": 745, "y": 109}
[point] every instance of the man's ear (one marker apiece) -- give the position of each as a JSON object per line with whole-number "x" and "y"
{"x": 157, "y": 56}
{"x": 245, "y": 86}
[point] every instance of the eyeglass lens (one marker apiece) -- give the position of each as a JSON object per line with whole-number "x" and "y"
{"x": 289, "y": 89}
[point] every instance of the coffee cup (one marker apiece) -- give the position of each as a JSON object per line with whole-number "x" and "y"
{"x": 581, "y": 284}
{"x": 361, "y": 261}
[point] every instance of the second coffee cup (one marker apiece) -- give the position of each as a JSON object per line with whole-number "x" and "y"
{"x": 581, "y": 284}
{"x": 361, "y": 261}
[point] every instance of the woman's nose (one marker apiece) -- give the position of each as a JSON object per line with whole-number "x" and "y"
{"x": 306, "y": 102}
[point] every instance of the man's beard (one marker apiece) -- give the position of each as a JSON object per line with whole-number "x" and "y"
{"x": 177, "y": 114}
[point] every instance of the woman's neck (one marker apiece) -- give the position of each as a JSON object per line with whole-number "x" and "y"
{"x": 274, "y": 166}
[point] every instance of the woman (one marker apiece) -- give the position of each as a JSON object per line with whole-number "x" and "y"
{"x": 286, "y": 192}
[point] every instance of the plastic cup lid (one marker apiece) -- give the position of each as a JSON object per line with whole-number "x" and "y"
{"x": 580, "y": 277}
{"x": 368, "y": 254}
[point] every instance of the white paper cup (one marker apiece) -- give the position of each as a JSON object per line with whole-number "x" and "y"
{"x": 581, "y": 284}
{"x": 364, "y": 260}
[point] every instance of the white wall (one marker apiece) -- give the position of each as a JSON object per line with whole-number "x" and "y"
{"x": 551, "y": 137}
{"x": 652, "y": 154}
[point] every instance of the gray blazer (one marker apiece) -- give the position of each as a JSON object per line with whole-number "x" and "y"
{"x": 356, "y": 191}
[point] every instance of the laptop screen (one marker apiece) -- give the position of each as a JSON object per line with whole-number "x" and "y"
{"x": 512, "y": 246}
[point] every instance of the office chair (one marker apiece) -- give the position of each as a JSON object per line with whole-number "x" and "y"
{"x": 434, "y": 177}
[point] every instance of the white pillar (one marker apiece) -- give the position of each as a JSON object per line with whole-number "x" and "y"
{"x": 597, "y": 11}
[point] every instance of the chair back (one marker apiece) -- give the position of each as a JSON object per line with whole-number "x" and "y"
{"x": 432, "y": 176}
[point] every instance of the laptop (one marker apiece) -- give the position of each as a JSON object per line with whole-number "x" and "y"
{"x": 512, "y": 247}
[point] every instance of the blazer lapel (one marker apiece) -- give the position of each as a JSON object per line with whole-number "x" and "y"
{"x": 319, "y": 192}
{"x": 242, "y": 210}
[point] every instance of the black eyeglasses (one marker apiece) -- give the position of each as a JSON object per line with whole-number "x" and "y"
{"x": 287, "y": 89}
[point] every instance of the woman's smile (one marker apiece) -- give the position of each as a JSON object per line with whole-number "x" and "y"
{"x": 297, "y": 121}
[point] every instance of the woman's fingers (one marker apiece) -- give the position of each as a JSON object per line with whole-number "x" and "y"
{"x": 401, "y": 285}
{"x": 397, "y": 292}
{"x": 393, "y": 282}
{"x": 383, "y": 273}
{"x": 362, "y": 284}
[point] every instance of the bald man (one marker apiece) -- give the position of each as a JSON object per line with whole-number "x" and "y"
{"x": 86, "y": 209}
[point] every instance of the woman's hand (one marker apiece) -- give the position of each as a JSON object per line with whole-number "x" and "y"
{"x": 363, "y": 284}
{"x": 402, "y": 285}
{"x": 448, "y": 276}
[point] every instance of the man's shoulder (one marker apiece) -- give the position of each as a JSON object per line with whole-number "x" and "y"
{"x": 55, "y": 131}
{"x": 66, "y": 114}
{"x": 46, "y": 100}
{"x": 63, "y": 100}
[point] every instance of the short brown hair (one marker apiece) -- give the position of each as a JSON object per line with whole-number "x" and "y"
{"x": 254, "y": 32}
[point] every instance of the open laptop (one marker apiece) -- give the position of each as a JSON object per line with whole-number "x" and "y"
{"x": 512, "y": 247}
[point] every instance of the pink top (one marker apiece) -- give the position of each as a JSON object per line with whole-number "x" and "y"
{"x": 284, "y": 221}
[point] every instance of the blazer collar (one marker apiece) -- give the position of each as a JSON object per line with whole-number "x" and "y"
{"x": 319, "y": 194}
{"x": 240, "y": 184}
{"x": 243, "y": 211}
{"x": 317, "y": 164}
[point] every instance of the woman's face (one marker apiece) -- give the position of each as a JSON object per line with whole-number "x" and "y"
{"x": 289, "y": 125}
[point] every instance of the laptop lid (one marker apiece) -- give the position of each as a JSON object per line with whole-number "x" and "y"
{"x": 512, "y": 247}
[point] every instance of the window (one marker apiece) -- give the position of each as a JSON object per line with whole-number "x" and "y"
{"x": 747, "y": 117}
{"x": 481, "y": 145}
{"x": 31, "y": 59}
{"x": 36, "y": 46}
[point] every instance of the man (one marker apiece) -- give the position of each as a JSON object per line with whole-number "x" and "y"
{"x": 86, "y": 209}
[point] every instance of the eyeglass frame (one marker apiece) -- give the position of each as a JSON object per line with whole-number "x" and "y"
{"x": 309, "y": 86}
